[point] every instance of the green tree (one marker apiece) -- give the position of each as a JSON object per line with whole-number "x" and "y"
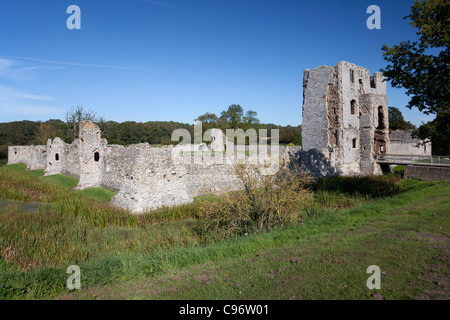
{"x": 232, "y": 117}
{"x": 397, "y": 122}
{"x": 47, "y": 130}
{"x": 422, "y": 67}
{"x": 438, "y": 131}
{"x": 209, "y": 121}
{"x": 250, "y": 120}
{"x": 73, "y": 118}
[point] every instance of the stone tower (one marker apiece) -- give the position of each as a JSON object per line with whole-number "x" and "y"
{"x": 345, "y": 117}
{"x": 92, "y": 149}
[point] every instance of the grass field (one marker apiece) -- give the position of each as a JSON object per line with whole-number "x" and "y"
{"x": 407, "y": 236}
{"x": 163, "y": 255}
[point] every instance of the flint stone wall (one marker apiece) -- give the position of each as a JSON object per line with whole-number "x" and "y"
{"x": 427, "y": 173}
{"x": 340, "y": 120}
{"x": 401, "y": 142}
{"x": 34, "y": 157}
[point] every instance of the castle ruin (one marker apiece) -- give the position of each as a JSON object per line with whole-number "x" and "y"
{"x": 345, "y": 127}
{"x": 345, "y": 117}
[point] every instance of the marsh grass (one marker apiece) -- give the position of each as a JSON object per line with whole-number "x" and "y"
{"x": 369, "y": 186}
{"x": 72, "y": 228}
{"x": 266, "y": 202}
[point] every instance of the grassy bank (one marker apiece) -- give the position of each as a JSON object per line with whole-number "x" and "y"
{"x": 116, "y": 249}
{"x": 407, "y": 236}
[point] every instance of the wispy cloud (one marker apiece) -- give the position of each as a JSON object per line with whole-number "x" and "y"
{"x": 15, "y": 101}
{"x": 42, "y": 68}
{"x": 7, "y": 93}
{"x": 59, "y": 63}
{"x": 12, "y": 70}
{"x": 161, "y": 4}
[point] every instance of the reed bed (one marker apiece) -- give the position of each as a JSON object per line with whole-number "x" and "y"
{"x": 70, "y": 228}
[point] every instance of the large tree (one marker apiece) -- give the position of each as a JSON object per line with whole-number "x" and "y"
{"x": 209, "y": 120}
{"x": 422, "y": 67}
{"x": 397, "y": 122}
{"x": 232, "y": 117}
{"x": 73, "y": 118}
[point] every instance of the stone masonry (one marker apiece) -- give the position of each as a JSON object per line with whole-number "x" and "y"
{"x": 345, "y": 126}
{"x": 345, "y": 118}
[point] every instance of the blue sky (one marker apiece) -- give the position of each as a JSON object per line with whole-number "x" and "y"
{"x": 145, "y": 60}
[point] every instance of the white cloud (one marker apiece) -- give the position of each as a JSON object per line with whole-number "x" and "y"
{"x": 29, "y": 110}
{"x": 10, "y": 69}
{"x": 14, "y": 101}
{"x": 8, "y": 94}
{"x": 42, "y": 68}
{"x": 76, "y": 64}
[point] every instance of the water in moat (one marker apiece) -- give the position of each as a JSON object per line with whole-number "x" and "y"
{"x": 23, "y": 206}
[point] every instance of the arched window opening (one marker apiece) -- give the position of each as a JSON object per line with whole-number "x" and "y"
{"x": 352, "y": 76}
{"x": 56, "y": 157}
{"x": 97, "y": 156}
{"x": 353, "y": 107}
{"x": 381, "y": 122}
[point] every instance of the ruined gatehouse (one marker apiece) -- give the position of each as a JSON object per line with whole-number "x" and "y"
{"x": 345, "y": 118}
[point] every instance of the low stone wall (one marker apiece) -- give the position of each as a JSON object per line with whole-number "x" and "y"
{"x": 427, "y": 173}
{"x": 402, "y": 142}
{"x": 34, "y": 157}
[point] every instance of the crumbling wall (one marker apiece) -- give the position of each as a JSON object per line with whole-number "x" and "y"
{"x": 315, "y": 121}
{"x": 72, "y": 159}
{"x": 401, "y": 142}
{"x": 55, "y": 156}
{"x": 62, "y": 158}
{"x": 34, "y": 157}
{"x": 353, "y": 137}
{"x": 335, "y": 120}
{"x": 151, "y": 180}
{"x": 91, "y": 155}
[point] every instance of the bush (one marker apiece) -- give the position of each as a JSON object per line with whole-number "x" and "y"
{"x": 372, "y": 186}
{"x": 399, "y": 170}
{"x": 265, "y": 202}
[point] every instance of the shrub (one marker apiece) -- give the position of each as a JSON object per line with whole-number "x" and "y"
{"x": 372, "y": 186}
{"x": 264, "y": 203}
{"x": 399, "y": 170}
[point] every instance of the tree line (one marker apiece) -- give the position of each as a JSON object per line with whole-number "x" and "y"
{"x": 130, "y": 132}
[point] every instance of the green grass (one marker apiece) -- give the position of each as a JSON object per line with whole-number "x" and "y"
{"x": 98, "y": 194}
{"x": 66, "y": 182}
{"x": 60, "y": 180}
{"x": 407, "y": 236}
{"x": 163, "y": 254}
